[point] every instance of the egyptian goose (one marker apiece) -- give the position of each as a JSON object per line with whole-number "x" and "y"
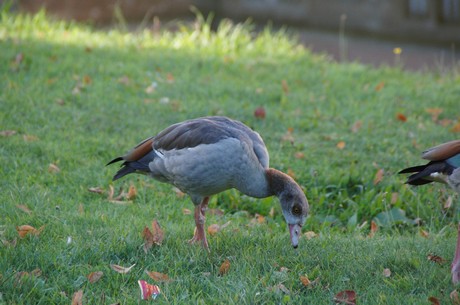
{"x": 208, "y": 155}
{"x": 444, "y": 167}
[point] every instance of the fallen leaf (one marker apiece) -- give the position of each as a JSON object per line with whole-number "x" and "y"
{"x": 26, "y": 229}
{"x": 288, "y": 136}
{"x": 215, "y": 212}
{"x": 310, "y": 234}
{"x": 454, "y": 297}
{"x": 170, "y": 78}
{"x": 394, "y": 197}
{"x": 448, "y": 203}
{"x": 379, "y": 86}
{"x": 213, "y": 229}
{"x": 299, "y": 155}
{"x": 456, "y": 127}
{"x": 424, "y": 233}
{"x": 304, "y": 280}
{"x": 224, "y": 267}
{"x": 260, "y": 113}
{"x": 8, "y": 243}
{"x": 378, "y": 176}
{"x": 111, "y": 193}
{"x": 272, "y": 212}
{"x": 186, "y": 211}
{"x": 157, "y": 276}
{"x": 341, "y": 145}
{"x": 436, "y": 259}
{"x": 30, "y": 138}
{"x": 401, "y": 117}
{"x": 93, "y": 277}
{"x": 53, "y": 168}
{"x": 356, "y": 126}
{"x": 132, "y": 192}
{"x": 374, "y": 229}
{"x": 148, "y": 239}
{"x": 151, "y": 88}
{"x": 87, "y": 80}
{"x": 386, "y": 272}
{"x": 158, "y": 234}
{"x": 346, "y": 297}
{"x": 124, "y": 80}
{"x": 77, "y": 298}
{"x": 121, "y": 269}
{"x": 7, "y": 133}
{"x": 24, "y": 208}
{"x": 434, "y": 300}
{"x": 285, "y": 86}
{"x": 179, "y": 193}
{"x": 435, "y": 112}
{"x": 97, "y": 190}
{"x": 282, "y": 288}
{"x": 259, "y": 218}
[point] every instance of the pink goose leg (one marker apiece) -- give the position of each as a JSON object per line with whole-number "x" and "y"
{"x": 455, "y": 267}
{"x": 200, "y": 234}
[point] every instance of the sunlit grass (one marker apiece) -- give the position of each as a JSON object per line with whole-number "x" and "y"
{"x": 77, "y": 97}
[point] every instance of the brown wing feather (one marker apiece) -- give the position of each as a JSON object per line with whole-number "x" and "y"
{"x": 442, "y": 151}
{"x": 140, "y": 150}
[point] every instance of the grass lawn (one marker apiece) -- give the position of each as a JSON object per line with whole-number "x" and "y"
{"x": 72, "y": 98}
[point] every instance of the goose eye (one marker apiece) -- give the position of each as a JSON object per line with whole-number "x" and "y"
{"x": 296, "y": 210}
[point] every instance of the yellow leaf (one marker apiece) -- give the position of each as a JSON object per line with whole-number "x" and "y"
{"x": 341, "y": 145}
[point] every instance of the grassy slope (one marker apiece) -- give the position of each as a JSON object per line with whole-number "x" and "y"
{"x": 82, "y": 96}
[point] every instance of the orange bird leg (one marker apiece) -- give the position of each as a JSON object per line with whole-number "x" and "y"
{"x": 200, "y": 234}
{"x": 455, "y": 268}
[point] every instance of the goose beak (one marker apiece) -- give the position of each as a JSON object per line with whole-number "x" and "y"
{"x": 295, "y": 231}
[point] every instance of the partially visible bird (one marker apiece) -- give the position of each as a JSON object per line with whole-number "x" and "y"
{"x": 208, "y": 155}
{"x": 444, "y": 167}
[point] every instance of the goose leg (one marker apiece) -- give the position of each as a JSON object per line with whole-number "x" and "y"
{"x": 200, "y": 234}
{"x": 455, "y": 268}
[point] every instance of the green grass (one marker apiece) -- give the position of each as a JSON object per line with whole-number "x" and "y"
{"x": 78, "y": 98}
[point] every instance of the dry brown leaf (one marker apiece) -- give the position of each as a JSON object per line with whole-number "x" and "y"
{"x": 93, "y": 277}
{"x": 30, "y": 138}
{"x": 424, "y": 233}
{"x": 346, "y": 297}
{"x": 386, "y": 272}
{"x": 223, "y": 269}
{"x": 378, "y": 176}
{"x": 341, "y": 145}
{"x": 26, "y": 229}
{"x": 132, "y": 192}
{"x": 448, "y": 203}
{"x": 7, "y": 133}
{"x": 435, "y": 112}
{"x": 282, "y": 288}
{"x": 157, "y": 276}
{"x": 186, "y": 211}
{"x": 77, "y": 298}
{"x": 285, "y": 86}
{"x": 213, "y": 229}
{"x": 356, "y": 126}
{"x": 299, "y": 155}
{"x": 53, "y": 168}
{"x": 434, "y": 300}
{"x": 121, "y": 269}
{"x": 158, "y": 234}
{"x": 148, "y": 239}
{"x": 436, "y": 259}
{"x": 454, "y": 297}
{"x": 24, "y": 208}
{"x": 456, "y": 127}
{"x": 310, "y": 234}
{"x": 260, "y": 113}
{"x": 215, "y": 212}
{"x": 379, "y": 86}
{"x": 304, "y": 280}
{"x": 259, "y": 218}
{"x": 374, "y": 229}
{"x": 401, "y": 117}
{"x": 97, "y": 190}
